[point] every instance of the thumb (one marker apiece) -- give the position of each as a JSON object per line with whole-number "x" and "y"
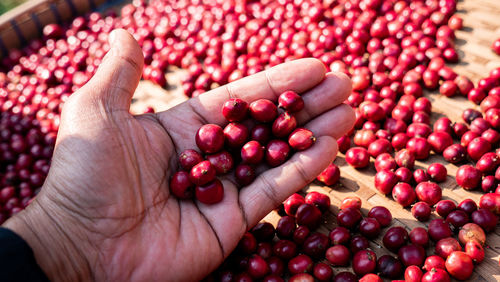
{"x": 116, "y": 79}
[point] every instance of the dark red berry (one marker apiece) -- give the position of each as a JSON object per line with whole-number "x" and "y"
{"x": 421, "y": 211}
{"x": 381, "y": 214}
{"x": 244, "y": 174}
{"x": 210, "y": 193}
{"x": 189, "y": 158}
{"x": 444, "y": 207}
{"x": 455, "y": 153}
{"x": 261, "y": 133}
{"x": 181, "y": 186}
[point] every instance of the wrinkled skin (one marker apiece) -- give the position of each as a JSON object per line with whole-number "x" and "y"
{"x": 105, "y": 212}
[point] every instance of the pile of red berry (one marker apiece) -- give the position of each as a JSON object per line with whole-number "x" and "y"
{"x": 408, "y": 132}
{"x": 297, "y": 250}
{"x": 271, "y": 141}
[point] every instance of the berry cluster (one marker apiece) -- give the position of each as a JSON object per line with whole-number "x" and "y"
{"x": 271, "y": 141}
{"x": 298, "y": 250}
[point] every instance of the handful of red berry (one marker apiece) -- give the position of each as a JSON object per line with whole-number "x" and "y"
{"x": 273, "y": 137}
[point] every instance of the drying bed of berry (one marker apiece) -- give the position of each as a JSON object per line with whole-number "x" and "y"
{"x": 395, "y": 52}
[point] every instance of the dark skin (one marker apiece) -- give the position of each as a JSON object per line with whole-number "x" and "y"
{"x": 105, "y": 211}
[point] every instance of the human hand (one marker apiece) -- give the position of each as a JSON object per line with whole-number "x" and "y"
{"x": 105, "y": 211}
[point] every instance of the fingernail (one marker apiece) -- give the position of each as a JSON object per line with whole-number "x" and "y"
{"x": 112, "y": 38}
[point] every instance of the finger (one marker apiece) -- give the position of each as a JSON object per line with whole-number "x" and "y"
{"x": 273, "y": 186}
{"x": 299, "y": 76}
{"x": 336, "y": 122}
{"x": 116, "y": 79}
{"x": 332, "y": 91}
{"x": 232, "y": 224}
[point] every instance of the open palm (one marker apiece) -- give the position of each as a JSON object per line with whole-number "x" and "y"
{"x": 105, "y": 211}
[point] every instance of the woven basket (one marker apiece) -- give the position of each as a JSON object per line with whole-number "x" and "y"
{"x": 26, "y": 21}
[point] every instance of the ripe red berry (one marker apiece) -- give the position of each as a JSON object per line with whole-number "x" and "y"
{"x": 202, "y": 173}
{"x": 419, "y": 147}
{"x": 236, "y": 134}
{"x": 277, "y": 152}
{"x": 283, "y": 125}
{"x": 404, "y": 194}
{"x": 437, "y": 172}
{"x": 301, "y": 139}
{"x": 181, "y": 186}
{"x": 263, "y": 110}
{"x": 357, "y": 157}
{"x": 448, "y": 88}
{"x": 385, "y": 180}
{"x": 252, "y": 152}
{"x": 468, "y": 177}
{"x": 428, "y": 192}
{"x": 291, "y": 101}
{"x": 330, "y": 175}
{"x": 405, "y": 158}
{"x": 495, "y": 46}
{"x": 221, "y": 161}
{"x": 439, "y": 141}
{"x": 478, "y": 147}
{"x": 210, "y": 138}
{"x": 235, "y": 109}
{"x": 292, "y": 203}
{"x": 189, "y": 158}
{"x": 459, "y": 265}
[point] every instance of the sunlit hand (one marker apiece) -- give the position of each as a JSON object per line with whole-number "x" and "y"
{"x": 105, "y": 211}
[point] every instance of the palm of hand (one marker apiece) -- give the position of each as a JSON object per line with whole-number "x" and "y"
{"x": 108, "y": 184}
{"x": 128, "y": 207}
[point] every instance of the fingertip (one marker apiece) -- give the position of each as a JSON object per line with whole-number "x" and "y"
{"x": 330, "y": 149}
{"x": 124, "y": 45}
{"x": 273, "y": 186}
{"x": 316, "y": 65}
{"x": 298, "y": 75}
{"x": 350, "y": 116}
{"x": 118, "y": 74}
{"x": 345, "y": 84}
{"x": 316, "y": 69}
{"x": 335, "y": 122}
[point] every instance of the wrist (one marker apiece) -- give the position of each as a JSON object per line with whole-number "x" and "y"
{"x": 52, "y": 244}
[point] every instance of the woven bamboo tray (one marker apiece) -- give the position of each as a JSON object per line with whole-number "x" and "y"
{"x": 26, "y": 21}
{"x": 481, "y": 27}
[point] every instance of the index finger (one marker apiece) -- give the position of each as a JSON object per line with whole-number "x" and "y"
{"x": 299, "y": 76}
